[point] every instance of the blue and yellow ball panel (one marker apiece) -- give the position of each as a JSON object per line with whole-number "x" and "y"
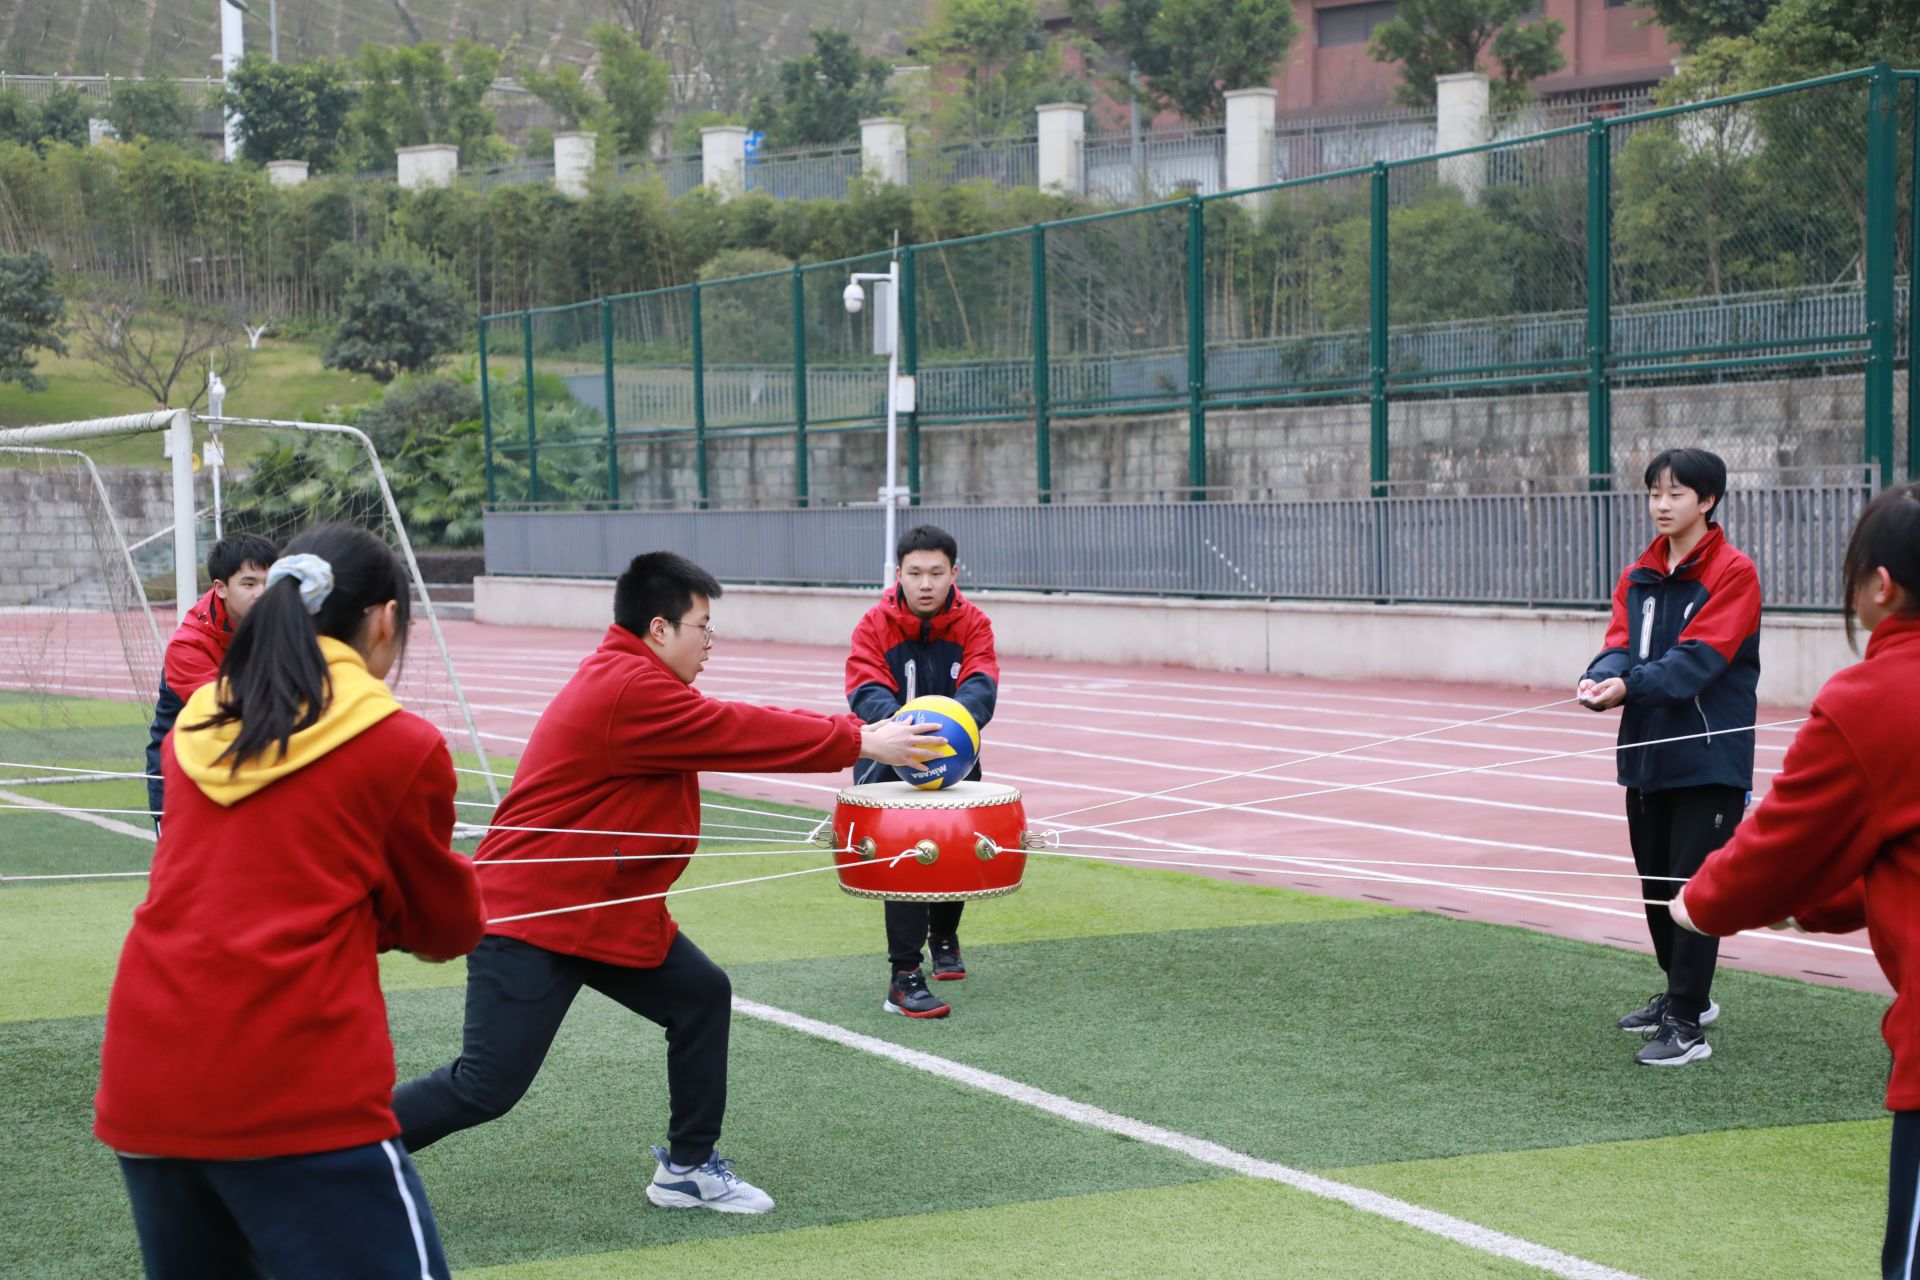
{"x": 959, "y": 739}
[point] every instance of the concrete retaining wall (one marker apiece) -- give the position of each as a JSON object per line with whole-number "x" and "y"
{"x": 1534, "y": 648}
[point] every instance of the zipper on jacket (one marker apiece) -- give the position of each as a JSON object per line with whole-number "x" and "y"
{"x": 913, "y": 672}
{"x": 1646, "y": 628}
{"x": 1703, "y": 718}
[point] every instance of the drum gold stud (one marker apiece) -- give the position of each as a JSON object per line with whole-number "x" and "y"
{"x": 865, "y": 847}
{"x": 926, "y": 851}
{"x": 985, "y": 848}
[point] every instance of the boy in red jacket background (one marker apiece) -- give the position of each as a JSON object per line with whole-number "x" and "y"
{"x": 922, "y": 638}
{"x": 619, "y": 750}
{"x": 246, "y": 1072}
{"x": 1836, "y": 843}
{"x": 238, "y": 567}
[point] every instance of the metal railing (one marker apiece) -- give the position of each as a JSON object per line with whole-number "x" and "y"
{"x": 1349, "y": 308}
{"x": 1559, "y": 547}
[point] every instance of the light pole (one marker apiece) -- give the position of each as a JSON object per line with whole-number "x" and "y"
{"x": 886, "y": 341}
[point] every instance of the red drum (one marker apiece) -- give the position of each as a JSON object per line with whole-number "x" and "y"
{"x": 966, "y": 841}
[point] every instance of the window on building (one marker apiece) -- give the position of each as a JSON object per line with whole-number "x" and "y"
{"x": 1620, "y": 4}
{"x": 1352, "y": 23}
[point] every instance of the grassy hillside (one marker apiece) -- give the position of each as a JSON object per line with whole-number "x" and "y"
{"x": 139, "y": 37}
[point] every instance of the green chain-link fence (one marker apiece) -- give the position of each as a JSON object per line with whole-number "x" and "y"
{"x": 1545, "y": 311}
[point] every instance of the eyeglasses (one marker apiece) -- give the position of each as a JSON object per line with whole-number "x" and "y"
{"x": 708, "y": 629}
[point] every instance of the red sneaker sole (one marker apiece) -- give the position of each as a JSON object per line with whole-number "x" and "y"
{"x": 941, "y": 1012}
{"x": 949, "y": 977}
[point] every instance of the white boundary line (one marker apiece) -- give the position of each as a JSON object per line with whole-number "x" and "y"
{"x": 1472, "y": 1235}
{"x": 92, "y": 819}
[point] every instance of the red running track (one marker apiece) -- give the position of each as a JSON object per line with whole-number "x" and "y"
{"x": 1072, "y": 735}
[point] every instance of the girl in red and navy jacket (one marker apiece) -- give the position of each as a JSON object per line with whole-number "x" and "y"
{"x": 246, "y": 1072}
{"x": 923, "y": 638}
{"x": 616, "y": 752}
{"x": 1836, "y": 843}
{"x": 1683, "y": 657}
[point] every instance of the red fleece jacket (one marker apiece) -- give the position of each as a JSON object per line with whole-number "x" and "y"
{"x": 246, "y": 1019}
{"x": 617, "y": 752}
{"x": 198, "y": 646}
{"x": 1836, "y": 842}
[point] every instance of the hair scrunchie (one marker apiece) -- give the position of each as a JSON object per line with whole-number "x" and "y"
{"x": 314, "y": 575}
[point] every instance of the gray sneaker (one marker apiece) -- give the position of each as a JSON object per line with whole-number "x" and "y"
{"x": 1675, "y": 1044}
{"x": 713, "y": 1185}
{"x": 1646, "y": 1019}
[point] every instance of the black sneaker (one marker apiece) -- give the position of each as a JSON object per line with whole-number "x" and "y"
{"x": 947, "y": 964}
{"x": 908, "y": 995}
{"x": 1675, "y": 1044}
{"x": 1646, "y": 1019}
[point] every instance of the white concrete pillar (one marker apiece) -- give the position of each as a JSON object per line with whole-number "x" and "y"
{"x": 573, "y": 162}
{"x": 1250, "y": 139}
{"x": 723, "y": 158}
{"x": 883, "y": 150}
{"x": 1063, "y": 159}
{"x": 432, "y": 165}
{"x": 1463, "y": 109}
{"x": 286, "y": 173}
{"x": 98, "y": 131}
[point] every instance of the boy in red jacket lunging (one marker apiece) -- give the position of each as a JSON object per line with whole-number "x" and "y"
{"x": 1836, "y": 843}
{"x": 237, "y": 566}
{"x": 924, "y": 637}
{"x": 619, "y": 750}
{"x": 246, "y": 1073}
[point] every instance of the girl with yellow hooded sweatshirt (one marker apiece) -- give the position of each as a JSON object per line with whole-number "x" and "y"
{"x": 247, "y": 1068}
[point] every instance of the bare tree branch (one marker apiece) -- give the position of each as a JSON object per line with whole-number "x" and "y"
{"x": 162, "y": 352}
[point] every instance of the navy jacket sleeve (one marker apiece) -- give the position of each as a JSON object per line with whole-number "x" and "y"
{"x": 1618, "y": 655}
{"x": 1708, "y": 644}
{"x": 871, "y": 692}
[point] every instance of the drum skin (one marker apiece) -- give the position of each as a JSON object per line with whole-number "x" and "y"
{"x": 965, "y": 841}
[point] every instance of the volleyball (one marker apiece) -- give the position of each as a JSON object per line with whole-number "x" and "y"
{"x": 958, "y": 742}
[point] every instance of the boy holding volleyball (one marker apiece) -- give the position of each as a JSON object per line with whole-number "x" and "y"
{"x": 922, "y": 638}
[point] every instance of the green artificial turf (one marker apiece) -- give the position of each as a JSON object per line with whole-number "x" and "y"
{"x": 1221, "y": 1227}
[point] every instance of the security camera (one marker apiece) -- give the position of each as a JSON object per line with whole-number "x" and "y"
{"x": 855, "y": 297}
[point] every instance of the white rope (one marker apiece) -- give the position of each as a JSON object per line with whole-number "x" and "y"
{"x": 698, "y": 888}
{"x": 1334, "y": 788}
{"x": 1308, "y": 759}
{"x": 1334, "y": 860}
{"x": 1361, "y": 875}
{"x": 649, "y": 857}
{"x": 72, "y": 808}
{"x": 704, "y": 804}
{"x": 56, "y": 768}
{"x": 80, "y": 875}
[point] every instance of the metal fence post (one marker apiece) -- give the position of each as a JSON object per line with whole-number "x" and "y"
{"x": 910, "y": 364}
{"x": 1913, "y": 299}
{"x": 1196, "y": 348}
{"x": 1379, "y": 468}
{"x": 1043, "y": 428}
{"x": 486, "y": 412}
{"x": 533, "y": 444}
{"x": 799, "y": 389}
{"x": 699, "y": 402}
{"x": 1600, "y": 340}
{"x": 1883, "y": 124}
{"x": 1378, "y": 458}
{"x": 613, "y": 431}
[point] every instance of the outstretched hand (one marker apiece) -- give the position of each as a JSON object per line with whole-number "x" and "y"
{"x": 898, "y": 743}
{"x": 1677, "y": 908}
{"x": 1601, "y": 695}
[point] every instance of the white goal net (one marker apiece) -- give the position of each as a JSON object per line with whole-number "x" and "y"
{"x": 105, "y": 526}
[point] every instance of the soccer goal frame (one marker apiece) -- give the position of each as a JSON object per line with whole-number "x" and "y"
{"x": 177, "y": 426}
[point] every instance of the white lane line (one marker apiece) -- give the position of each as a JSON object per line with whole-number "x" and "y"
{"x": 1459, "y": 1230}
{"x": 91, "y": 819}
